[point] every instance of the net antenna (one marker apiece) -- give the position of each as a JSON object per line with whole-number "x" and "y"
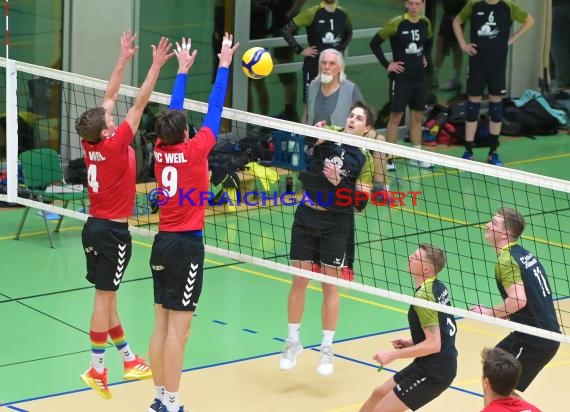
{"x": 11, "y": 117}
{"x": 455, "y": 202}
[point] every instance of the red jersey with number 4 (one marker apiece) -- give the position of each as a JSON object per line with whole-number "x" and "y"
{"x": 181, "y": 170}
{"x": 510, "y": 404}
{"x": 111, "y": 175}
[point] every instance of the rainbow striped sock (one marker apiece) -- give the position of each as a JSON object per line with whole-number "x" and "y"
{"x": 98, "y": 344}
{"x": 120, "y": 341}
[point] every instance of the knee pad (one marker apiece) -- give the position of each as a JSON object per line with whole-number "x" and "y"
{"x": 496, "y": 112}
{"x": 472, "y": 111}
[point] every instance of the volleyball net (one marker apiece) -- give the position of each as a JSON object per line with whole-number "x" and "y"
{"x": 255, "y": 191}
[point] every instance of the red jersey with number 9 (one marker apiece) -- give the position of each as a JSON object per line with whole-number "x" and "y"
{"x": 181, "y": 172}
{"x": 111, "y": 175}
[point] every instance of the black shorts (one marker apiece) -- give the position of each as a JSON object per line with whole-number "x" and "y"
{"x": 446, "y": 32}
{"x": 177, "y": 265}
{"x": 404, "y": 93}
{"x": 415, "y": 388}
{"x": 319, "y": 236}
{"x": 310, "y": 71}
{"x": 284, "y": 54}
{"x": 494, "y": 78}
{"x": 108, "y": 247}
{"x": 532, "y": 352}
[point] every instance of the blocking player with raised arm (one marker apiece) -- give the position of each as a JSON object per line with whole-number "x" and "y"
{"x": 410, "y": 37}
{"x": 527, "y": 296}
{"x": 491, "y": 22}
{"x": 111, "y": 173}
{"x": 328, "y": 27}
{"x": 432, "y": 345}
{"x": 177, "y": 257}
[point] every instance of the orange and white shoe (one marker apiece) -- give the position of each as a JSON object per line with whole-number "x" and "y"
{"x": 137, "y": 369}
{"x": 97, "y": 382}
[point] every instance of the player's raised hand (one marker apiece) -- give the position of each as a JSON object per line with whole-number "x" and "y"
{"x": 182, "y": 52}
{"x": 128, "y": 48}
{"x": 161, "y": 52}
{"x": 227, "y": 52}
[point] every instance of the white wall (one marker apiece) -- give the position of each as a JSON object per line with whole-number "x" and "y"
{"x": 95, "y": 29}
{"x": 526, "y": 53}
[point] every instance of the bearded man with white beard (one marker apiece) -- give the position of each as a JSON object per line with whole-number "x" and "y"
{"x": 331, "y": 94}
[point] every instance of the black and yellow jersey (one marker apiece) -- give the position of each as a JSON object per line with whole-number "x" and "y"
{"x": 444, "y": 362}
{"x": 490, "y": 28}
{"x": 325, "y": 30}
{"x": 410, "y": 41}
{"x": 517, "y": 265}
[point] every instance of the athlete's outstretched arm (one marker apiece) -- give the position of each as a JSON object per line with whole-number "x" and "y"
{"x": 218, "y": 93}
{"x": 185, "y": 61}
{"x": 128, "y": 50}
{"x": 160, "y": 55}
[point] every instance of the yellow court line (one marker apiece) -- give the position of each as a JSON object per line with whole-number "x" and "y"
{"x": 352, "y": 407}
{"x": 550, "y": 365}
{"x": 278, "y": 279}
{"x": 515, "y": 162}
{"x": 479, "y": 331}
{"x": 29, "y": 234}
{"x": 287, "y": 281}
{"x": 538, "y": 159}
{"x": 462, "y": 222}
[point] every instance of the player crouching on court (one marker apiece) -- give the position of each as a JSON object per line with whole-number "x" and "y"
{"x": 432, "y": 345}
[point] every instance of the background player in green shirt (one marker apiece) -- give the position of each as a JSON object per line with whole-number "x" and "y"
{"x": 410, "y": 36}
{"x": 491, "y": 22}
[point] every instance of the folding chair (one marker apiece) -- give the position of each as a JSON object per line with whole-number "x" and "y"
{"x": 42, "y": 168}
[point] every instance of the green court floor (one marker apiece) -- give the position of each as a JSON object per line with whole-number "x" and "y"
{"x": 45, "y": 302}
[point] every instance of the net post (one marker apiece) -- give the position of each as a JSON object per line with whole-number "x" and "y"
{"x": 6, "y": 15}
{"x": 12, "y": 130}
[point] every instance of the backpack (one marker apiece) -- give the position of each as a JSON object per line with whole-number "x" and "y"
{"x": 540, "y": 116}
{"x": 537, "y": 120}
{"x": 457, "y": 119}
{"x": 513, "y": 119}
{"x": 227, "y": 158}
{"x": 77, "y": 172}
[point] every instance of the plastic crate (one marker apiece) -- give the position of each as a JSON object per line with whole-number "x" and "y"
{"x": 289, "y": 150}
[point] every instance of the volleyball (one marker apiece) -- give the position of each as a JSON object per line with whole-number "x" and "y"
{"x": 257, "y": 63}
